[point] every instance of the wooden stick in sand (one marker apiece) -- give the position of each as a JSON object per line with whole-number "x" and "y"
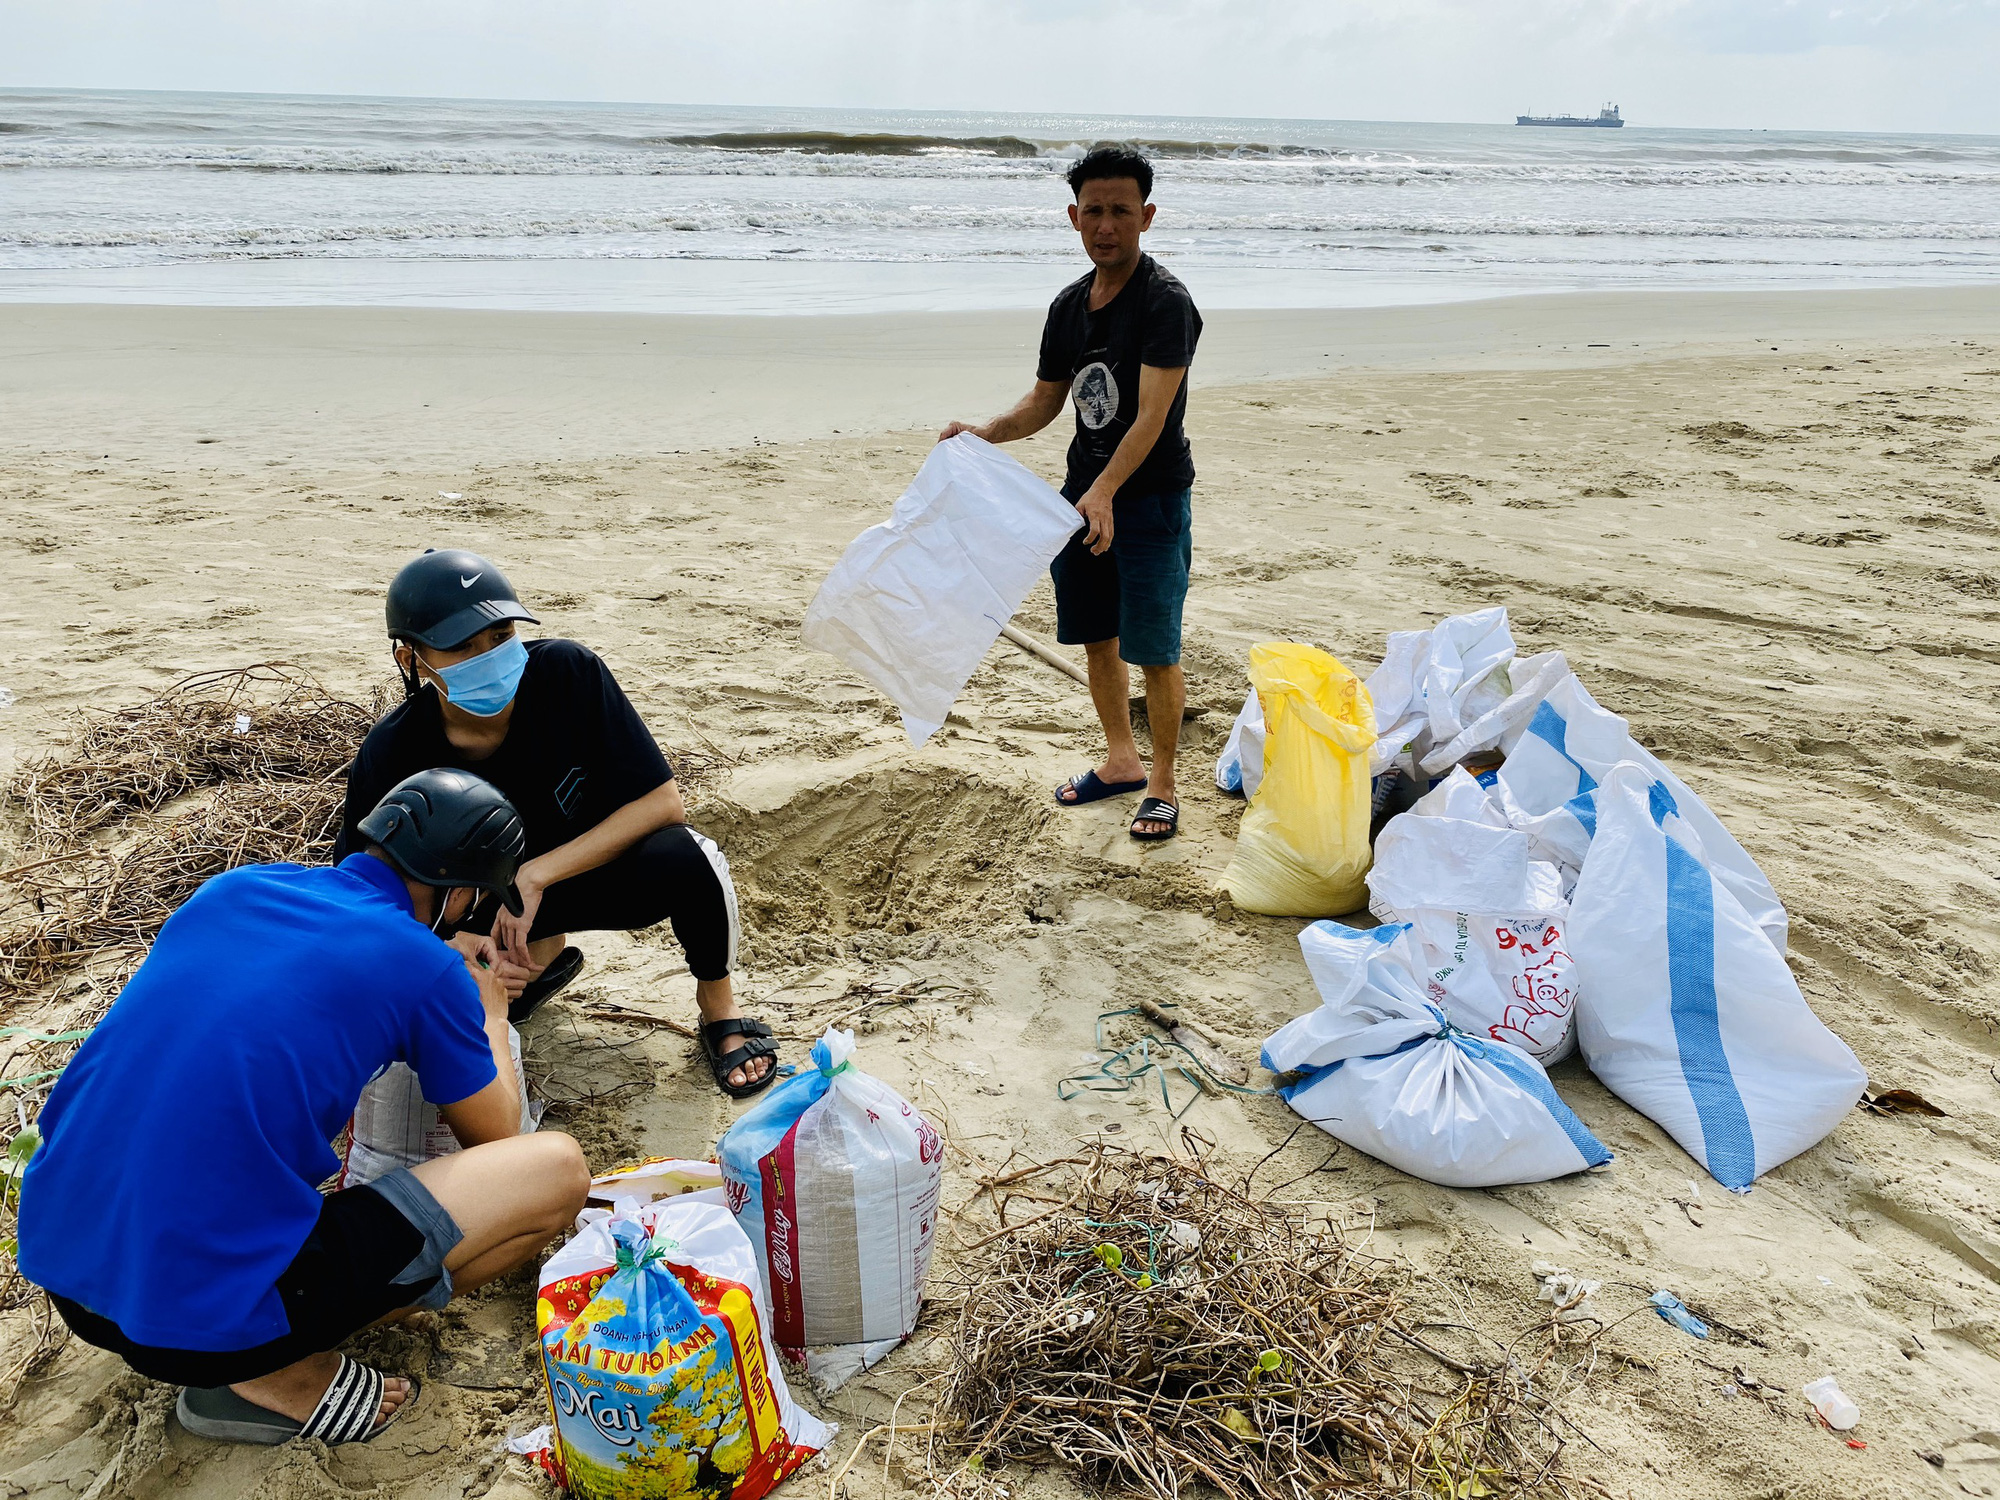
{"x": 1045, "y": 653}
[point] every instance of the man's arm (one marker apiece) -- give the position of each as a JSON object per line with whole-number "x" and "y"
{"x": 1157, "y": 388}
{"x": 494, "y": 1113}
{"x": 659, "y": 808}
{"x": 1025, "y": 418}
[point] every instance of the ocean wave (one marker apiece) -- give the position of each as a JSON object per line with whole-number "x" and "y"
{"x": 834, "y": 228}
{"x": 844, "y": 143}
{"x": 26, "y": 153}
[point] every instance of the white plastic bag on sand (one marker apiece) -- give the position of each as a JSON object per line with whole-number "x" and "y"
{"x": 656, "y": 1348}
{"x": 1570, "y": 744}
{"x": 915, "y": 603}
{"x": 394, "y": 1126}
{"x": 1240, "y": 767}
{"x": 1689, "y": 1013}
{"x": 1486, "y": 921}
{"x": 658, "y": 1177}
{"x": 1386, "y": 1073}
{"x": 1454, "y": 690}
{"x": 836, "y": 1180}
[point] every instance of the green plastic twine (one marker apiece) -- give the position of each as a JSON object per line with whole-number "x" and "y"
{"x": 1127, "y": 1068}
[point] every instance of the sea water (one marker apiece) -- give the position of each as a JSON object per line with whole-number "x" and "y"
{"x": 259, "y": 199}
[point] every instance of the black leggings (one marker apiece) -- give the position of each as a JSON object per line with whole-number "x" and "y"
{"x": 675, "y": 875}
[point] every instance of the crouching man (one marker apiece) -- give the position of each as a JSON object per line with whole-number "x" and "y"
{"x": 173, "y": 1210}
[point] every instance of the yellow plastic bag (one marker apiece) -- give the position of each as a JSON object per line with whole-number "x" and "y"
{"x": 1303, "y": 848}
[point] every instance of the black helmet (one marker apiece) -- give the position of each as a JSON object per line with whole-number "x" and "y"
{"x": 449, "y": 828}
{"x": 443, "y": 599}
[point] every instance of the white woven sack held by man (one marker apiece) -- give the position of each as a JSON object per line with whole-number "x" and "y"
{"x": 835, "y": 1178}
{"x": 1385, "y": 1072}
{"x": 394, "y": 1126}
{"x": 915, "y": 603}
{"x": 1688, "y": 1011}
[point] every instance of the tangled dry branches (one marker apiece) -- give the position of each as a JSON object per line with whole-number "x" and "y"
{"x": 1161, "y": 1332}
{"x": 271, "y": 722}
{"x": 269, "y": 737}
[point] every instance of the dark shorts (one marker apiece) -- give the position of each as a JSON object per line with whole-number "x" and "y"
{"x": 375, "y": 1250}
{"x": 1134, "y": 590}
{"x": 673, "y": 875}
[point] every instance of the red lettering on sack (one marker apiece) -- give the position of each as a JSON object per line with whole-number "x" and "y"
{"x": 781, "y": 1244}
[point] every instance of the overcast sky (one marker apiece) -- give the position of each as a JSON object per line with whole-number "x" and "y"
{"x": 1856, "y": 64}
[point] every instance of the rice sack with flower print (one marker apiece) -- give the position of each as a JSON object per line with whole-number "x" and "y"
{"x": 660, "y": 1376}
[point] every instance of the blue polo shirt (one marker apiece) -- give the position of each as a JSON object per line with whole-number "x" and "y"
{"x": 183, "y": 1146}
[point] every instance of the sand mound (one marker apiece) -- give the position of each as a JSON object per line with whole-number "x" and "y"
{"x": 896, "y": 851}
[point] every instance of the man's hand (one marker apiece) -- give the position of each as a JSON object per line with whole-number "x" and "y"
{"x": 1095, "y": 508}
{"x": 483, "y": 951}
{"x": 953, "y": 429}
{"x": 492, "y": 993}
{"x": 510, "y": 933}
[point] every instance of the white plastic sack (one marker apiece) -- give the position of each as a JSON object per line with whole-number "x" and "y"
{"x": 836, "y": 1180}
{"x": 1240, "y": 767}
{"x": 1386, "y": 1073}
{"x": 915, "y": 603}
{"x": 1454, "y": 690}
{"x": 1690, "y": 1014}
{"x": 394, "y": 1126}
{"x": 1569, "y": 745}
{"x": 1486, "y": 921}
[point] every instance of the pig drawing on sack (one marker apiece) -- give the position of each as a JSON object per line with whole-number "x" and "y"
{"x": 1544, "y": 994}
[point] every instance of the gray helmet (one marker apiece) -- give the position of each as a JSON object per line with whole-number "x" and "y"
{"x": 443, "y": 599}
{"x": 449, "y": 828}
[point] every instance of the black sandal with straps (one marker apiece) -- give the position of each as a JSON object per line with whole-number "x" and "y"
{"x": 757, "y": 1043}
{"x": 1156, "y": 810}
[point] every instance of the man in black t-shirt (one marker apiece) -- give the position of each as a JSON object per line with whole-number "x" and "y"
{"x": 1117, "y": 345}
{"x": 608, "y": 845}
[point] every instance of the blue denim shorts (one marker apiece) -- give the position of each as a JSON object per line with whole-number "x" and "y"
{"x": 1136, "y": 589}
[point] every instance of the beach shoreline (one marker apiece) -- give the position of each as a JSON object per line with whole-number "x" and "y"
{"x": 397, "y": 384}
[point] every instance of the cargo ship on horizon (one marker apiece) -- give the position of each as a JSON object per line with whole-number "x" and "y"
{"x": 1606, "y": 118}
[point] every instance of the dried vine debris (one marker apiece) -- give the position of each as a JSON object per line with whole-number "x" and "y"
{"x": 106, "y": 901}
{"x": 271, "y": 722}
{"x": 1161, "y": 1332}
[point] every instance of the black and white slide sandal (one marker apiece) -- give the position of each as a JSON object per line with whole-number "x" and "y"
{"x": 345, "y": 1414}
{"x": 1156, "y": 810}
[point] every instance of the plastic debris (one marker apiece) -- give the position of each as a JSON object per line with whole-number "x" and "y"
{"x": 1833, "y": 1404}
{"x": 1567, "y": 1293}
{"x": 1670, "y": 1307}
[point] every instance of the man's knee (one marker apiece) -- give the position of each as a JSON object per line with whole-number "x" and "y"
{"x": 557, "y": 1164}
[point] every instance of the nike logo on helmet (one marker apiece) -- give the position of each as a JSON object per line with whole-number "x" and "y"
{"x": 466, "y": 583}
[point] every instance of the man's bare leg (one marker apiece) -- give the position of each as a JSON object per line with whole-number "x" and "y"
{"x": 1111, "y": 694}
{"x": 509, "y": 1199}
{"x": 1166, "y": 700}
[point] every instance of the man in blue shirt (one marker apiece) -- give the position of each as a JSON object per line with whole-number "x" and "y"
{"x": 173, "y": 1212}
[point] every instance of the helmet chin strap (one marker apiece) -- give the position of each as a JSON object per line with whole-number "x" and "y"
{"x": 444, "y": 895}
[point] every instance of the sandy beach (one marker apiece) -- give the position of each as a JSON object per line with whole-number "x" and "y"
{"x": 1764, "y": 526}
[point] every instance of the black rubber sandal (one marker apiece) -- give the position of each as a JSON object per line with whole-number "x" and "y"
{"x": 345, "y": 1414}
{"x": 1156, "y": 810}
{"x": 564, "y": 967}
{"x": 756, "y": 1043}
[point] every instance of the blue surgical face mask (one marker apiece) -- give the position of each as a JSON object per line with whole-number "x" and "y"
{"x": 486, "y": 684}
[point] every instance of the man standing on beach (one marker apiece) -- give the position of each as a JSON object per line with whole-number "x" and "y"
{"x": 1117, "y": 344}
